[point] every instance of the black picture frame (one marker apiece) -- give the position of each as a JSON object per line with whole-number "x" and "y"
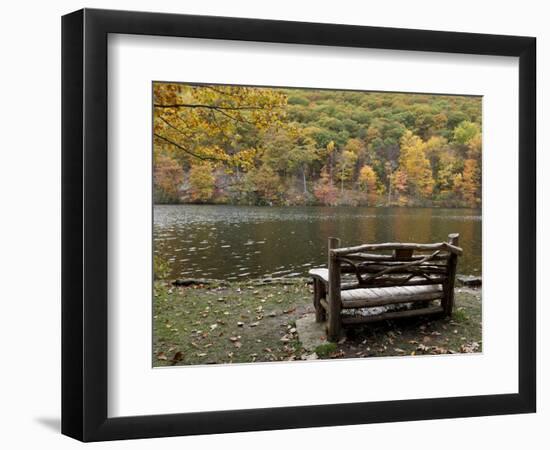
{"x": 84, "y": 224}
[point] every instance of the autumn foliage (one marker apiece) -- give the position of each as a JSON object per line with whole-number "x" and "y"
{"x": 201, "y": 182}
{"x": 167, "y": 177}
{"x": 325, "y": 191}
{"x": 267, "y": 146}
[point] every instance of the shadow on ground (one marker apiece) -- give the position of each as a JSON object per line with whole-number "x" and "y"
{"x": 52, "y": 423}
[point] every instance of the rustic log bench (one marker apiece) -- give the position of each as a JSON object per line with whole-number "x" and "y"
{"x": 395, "y": 276}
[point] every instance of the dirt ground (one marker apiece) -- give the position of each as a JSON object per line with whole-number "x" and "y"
{"x": 249, "y": 322}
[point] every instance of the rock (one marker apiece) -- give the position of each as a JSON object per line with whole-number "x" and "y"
{"x": 468, "y": 280}
{"x": 279, "y": 280}
{"x": 191, "y": 281}
{"x": 197, "y": 282}
{"x": 310, "y": 333}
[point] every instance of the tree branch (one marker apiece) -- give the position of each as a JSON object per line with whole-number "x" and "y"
{"x": 218, "y": 108}
{"x": 173, "y": 127}
{"x": 204, "y": 158}
{"x": 236, "y": 119}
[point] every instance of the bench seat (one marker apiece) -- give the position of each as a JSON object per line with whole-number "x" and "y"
{"x": 367, "y": 297}
{"x": 379, "y": 296}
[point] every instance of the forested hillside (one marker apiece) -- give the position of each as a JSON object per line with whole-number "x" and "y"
{"x": 264, "y": 146}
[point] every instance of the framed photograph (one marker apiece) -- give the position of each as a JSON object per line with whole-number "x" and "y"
{"x": 273, "y": 225}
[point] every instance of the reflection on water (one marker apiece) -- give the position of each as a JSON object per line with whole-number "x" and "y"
{"x": 241, "y": 242}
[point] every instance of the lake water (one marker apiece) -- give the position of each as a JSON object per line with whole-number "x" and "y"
{"x": 241, "y": 242}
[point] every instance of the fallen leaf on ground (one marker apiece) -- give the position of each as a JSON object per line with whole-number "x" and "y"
{"x": 439, "y": 350}
{"x": 469, "y": 348}
{"x": 178, "y": 356}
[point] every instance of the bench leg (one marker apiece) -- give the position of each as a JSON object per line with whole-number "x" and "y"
{"x": 319, "y": 292}
{"x": 334, "y": 322}
{"x": 334, "y": 327}
{"x": 448, "y": 300}
{"x": 334, "y": 299}
{"x": 450, "y": 285}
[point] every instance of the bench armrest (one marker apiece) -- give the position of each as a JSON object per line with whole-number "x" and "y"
{"x": 320, "y": 274}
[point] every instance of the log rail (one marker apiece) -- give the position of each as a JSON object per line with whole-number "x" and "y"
{"x": 398, "y": 246}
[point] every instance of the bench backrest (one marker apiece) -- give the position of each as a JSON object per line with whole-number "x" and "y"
{"x": 394, "y": 264}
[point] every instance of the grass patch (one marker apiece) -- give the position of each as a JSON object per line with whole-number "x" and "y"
{"x": 246, "y": 322}
{"x": 460, "y": 315}
{"x": 325, "y": 350}
{"x": 235, "y": 323}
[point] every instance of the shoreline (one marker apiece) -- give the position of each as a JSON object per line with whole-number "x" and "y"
{"x": 317, "y": 205}
{"x": 462, "y": 280}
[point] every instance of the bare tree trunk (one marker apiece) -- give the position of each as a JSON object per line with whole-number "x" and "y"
{"x": 304, "y": 178}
